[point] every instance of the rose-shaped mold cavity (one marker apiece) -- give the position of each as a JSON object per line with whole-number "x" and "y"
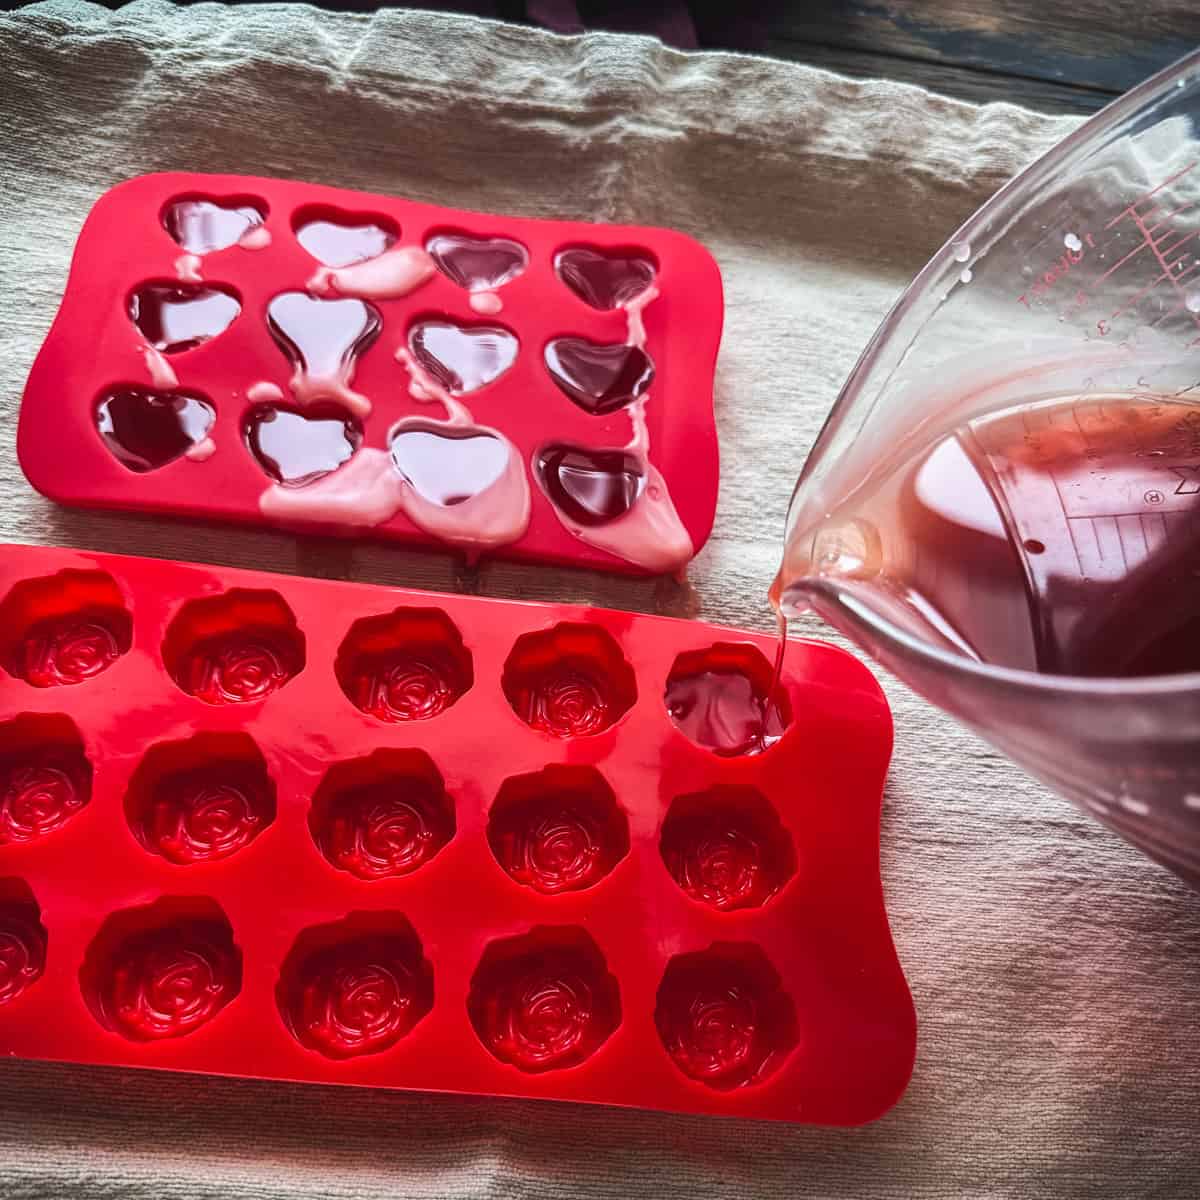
{"x": 545, "y": 1000}
{"x": 64, "y": 628}
{"x": 558, "y": 830}
{"x": 45, "y": 777}
{"x": 723, "y": 1016}
{"x": 201, "y": 224}
{"x": 202, "y": 799}
{"x": 234, "y": 648}
{"x": 163, "y": 970}
{"x": 406, "y": 665}
{"x": 22, "y": 940}
{"x": 356, "y": 986}
{"x": 727, "y": 848}
{"x": 337, "y": 238}
{"x": 721, "y": 698}
{"x": 382, "y": 816}
{"x": 569, "y": 681}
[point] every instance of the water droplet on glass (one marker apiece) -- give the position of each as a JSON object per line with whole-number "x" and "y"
{"x": 967, "y": 275}
{"x": 961, "y": 251}
{"x": 1072, "y": 242}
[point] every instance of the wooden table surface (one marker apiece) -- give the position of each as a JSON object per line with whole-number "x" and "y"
{"x": 1052, "y": 55}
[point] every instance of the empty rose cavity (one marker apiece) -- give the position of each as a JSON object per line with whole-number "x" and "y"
{"x": 569, "y": 681}
{"x": 720, "y": 698}
{"x": 337, "y": 238}
{"x": 235, "y": 648}
{"x": 544, "y": 1001}
{"x": 22, "y": 940}
{"x": 163, "y": 970}
{"x": 383, "y": 815}
{"x": 727, "y": 848}
{"x": 45, "y": 776}
{"x": 176, "y": 316}
{"x": 201, "y": 224}
{"x": 202, "y": 799}
{"x": 356, "y": 986}
{"x": 479, "y": 264}
{"x": 146, "y": 428}
{"x": 406, "y": 665}
{"x": 298, "y": 448}
{"x": 723, "y": 1016}
{"x": 63, "y": 629}
{"x": 557, "y": 830}
{"x": 605, "y": 279}
{"x": 598, "y": 377}
{"x": 462, "y": 358}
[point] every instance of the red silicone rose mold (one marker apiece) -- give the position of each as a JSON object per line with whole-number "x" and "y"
{"x": 305, "y": 830}
{"x": 296, "y": 355}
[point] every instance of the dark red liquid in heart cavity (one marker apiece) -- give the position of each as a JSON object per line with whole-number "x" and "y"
{"x": 603, "y": 279}
{"x": 599, "y": 378}
{"x": 591, "y": 487}
{"x": 477, "y": 264}
{"x": 147, "y": 429}
{"x": 177, "y": 316}
{"x": 294, "y": 448}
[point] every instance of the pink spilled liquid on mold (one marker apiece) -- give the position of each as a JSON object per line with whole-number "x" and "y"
{"x": 146, "y": 429}
{"x": 477, "y": 264}
{"x": 324, "y": 340}
{"x": 446, "y": 464}
{"x": 200, "y": 225}
{"x": 596, "y": 376}
{"x": 340, "y": 243}
{"x": 174, "y": 317}
{"x": 462, "y": 359}
{"x": 604, "y": 279}
{"x": 591, "y": 487}
{"x": 296, "y": 448}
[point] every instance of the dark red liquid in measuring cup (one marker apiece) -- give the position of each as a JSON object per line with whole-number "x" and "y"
{"x": 1062, "y": 538}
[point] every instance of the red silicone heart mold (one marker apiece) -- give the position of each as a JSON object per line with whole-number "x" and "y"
{"x": 332, "y": 361}
{"x": 365, "y": 835}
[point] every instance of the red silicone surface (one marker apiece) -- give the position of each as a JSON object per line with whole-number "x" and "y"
{"x": 127, "y": 262}
{"x": 234, "y": 839}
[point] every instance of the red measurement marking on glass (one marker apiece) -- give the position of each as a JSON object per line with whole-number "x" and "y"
{"x": 1058, "y": 269}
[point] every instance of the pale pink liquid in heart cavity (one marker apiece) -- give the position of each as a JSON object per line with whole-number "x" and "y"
{"x": 1060, "y": 537}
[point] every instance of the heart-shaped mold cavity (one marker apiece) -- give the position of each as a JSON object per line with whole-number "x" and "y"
{"x": 477, "y": 264}
{"x": 320, "y": 336}
{"x": 202, "y": 799}
{"x": 173, "y": 317}
{"x": 22, "y": 940}
{"x": 718, "y": 698}
{"x": 406, "y": 665}
{"x": 339, "y": 239}
{"x": 558, "y": 830}
{"x": 201, "y": 224}
{"x": 163, "y": 970}
{"x": 569, "y": 681}
{"x": 45, "y": 777}
{"x": 382, "y": 816}
{"x": 723, "y": 1016}
{"x": 462, "y": 358}
{"x": 544, "y": 1001}
{"x": 63, "y": 629}
{"x": 448, "y": 464}
{"x": 356, "y": 986}
{"x": 599, "y": 377}
{"x": 236, "y": 648}
{"x": 604, "y": 279}
{"x": 295, "y": 448}
{"x": 590, "y": 487}
{"x": 727, "y": 848}
{"x": 145, "y": 429}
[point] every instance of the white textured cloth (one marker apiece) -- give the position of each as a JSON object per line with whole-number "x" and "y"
{"x": 1056, "y": 973}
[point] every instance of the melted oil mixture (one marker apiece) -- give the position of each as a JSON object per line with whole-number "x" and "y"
{"x": 1060, "y": 537}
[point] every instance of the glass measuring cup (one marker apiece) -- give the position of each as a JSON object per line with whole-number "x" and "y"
{"x": 1004, "y": 505}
